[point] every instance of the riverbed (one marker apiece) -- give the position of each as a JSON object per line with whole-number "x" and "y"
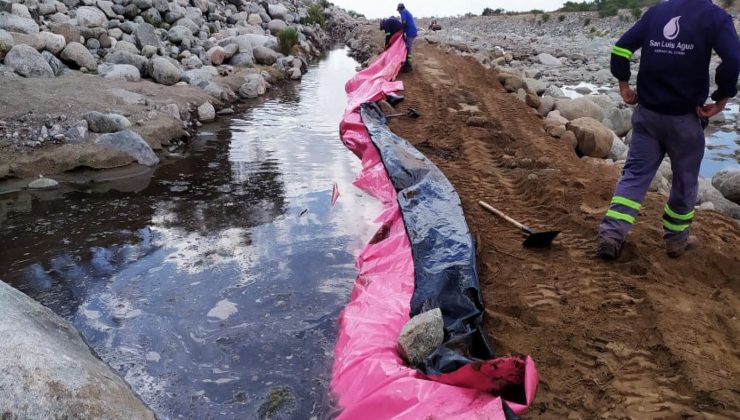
{"x": 722, "y": 146}
{"x": 213, "y": 283}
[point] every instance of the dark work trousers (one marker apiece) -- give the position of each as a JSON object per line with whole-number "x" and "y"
{"x": 655, "y": 135}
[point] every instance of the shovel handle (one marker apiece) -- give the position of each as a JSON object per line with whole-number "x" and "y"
{"x": 502, "y": 215}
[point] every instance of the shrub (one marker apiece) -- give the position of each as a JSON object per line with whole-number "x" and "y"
{"x": 545, "y": 17}
{"x": 356, "y": 15}
{"x": 325, "y": 4}
{"x": 561, "y": 18}
{"x": 636, "y": 12}
{"x": 587, "y": 22}
{"x": 492, "y": 12}
{"x": 287, "y": 39}
{"x": 609, "y": 10}
{"x": 728, "y": 3}
{"x": 315, "y": 15}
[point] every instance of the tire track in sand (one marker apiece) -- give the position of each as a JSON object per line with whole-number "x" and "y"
{"x": 605, "y": 336}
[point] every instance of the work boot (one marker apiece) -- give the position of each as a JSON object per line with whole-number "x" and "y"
{"x": 676, "y": 249}
{"x": 608, "y": 249}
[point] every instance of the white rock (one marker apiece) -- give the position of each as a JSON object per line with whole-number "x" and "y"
{"x": 549, "y": 60}
{"x": 53, "y": 43}
{"x": 43, "y": 184}
{"x": 206, "y": 112}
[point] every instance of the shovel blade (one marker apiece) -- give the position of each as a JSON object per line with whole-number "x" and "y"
{"x": 540, "y": 239}
{"x": 413, "y": 113}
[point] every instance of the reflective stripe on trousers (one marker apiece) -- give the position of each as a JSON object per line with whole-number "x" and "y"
{"x": 654, "y": 136}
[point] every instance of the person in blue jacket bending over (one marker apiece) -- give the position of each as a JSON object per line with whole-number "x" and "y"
{"x": 391, "y": 26}
{"x": 409, "y": 32}
{"x": 677, "y": 38}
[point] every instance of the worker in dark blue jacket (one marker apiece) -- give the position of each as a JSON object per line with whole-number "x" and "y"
{"x": 677, "y": 38}
{"x": 391, "y": 26}
{"x": 409, "y": 32}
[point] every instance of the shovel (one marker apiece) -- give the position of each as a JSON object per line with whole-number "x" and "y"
{"x": 533, "y": 239}
{"x": 411, "y": 113}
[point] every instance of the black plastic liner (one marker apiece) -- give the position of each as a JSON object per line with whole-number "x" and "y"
{"x": 442, "y": 247}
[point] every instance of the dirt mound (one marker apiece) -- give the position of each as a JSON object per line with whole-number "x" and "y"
{"x": 644, "y": 337}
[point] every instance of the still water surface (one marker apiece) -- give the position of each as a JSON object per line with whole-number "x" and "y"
{"x": 213, "y": 285}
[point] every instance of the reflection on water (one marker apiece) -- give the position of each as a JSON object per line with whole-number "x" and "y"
{"x": 215, "y": 285}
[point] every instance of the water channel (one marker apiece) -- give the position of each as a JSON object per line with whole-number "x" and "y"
{"x": 212, "y": 285}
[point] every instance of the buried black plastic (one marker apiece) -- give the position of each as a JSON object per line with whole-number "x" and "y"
{"x": 442, "y": 247}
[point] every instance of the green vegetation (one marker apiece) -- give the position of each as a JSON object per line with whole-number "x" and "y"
{"x": 561, "y": 18}
{"x": 545, "y": 17}
{"x": 492, "y": 12}
{"x": 287, "y": 39}
{"x": 606, "y": 7}
{"x": 325, "y": 4}
{"x": 636, "y": 12}
{"x": 728, "y": 3}
{"x": 587, "y": 22}
{"x": 315, "y": 15}
{"x": 356, "y": 15}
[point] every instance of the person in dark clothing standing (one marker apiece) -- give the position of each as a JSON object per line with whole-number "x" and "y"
{"x": 677, "y": 38}
{"x": 409, "y": 32}
{"x": 391, "y": 26}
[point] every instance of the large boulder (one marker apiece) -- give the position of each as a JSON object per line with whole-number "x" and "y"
{"x": 6, "y": 43}
{"x": 54, "y": 43}
{"x": 264, "y": 55}
{"x": 128, "y": 47}
{"x": 535, "y": 86}
{"x": 594, "y": 139}
{"x": 709, "y": 194}
{"x": 619, "y": 149}
{"x": 28, "y": 62}
{"x": 47, "y": 370}
{"x": 91, "y": 17}
{"x": 21, "y": 10}
{"x": 216, "y": 56}
{"x": 119, "y": 72}
{"x": 728, "y": 183}
{"x": 14, "y": 23}
{"x": 277, "y": 11}
{"x": 548, "y": 60}
{"x": 76, "y": 55}
{"x": 125, "y": 57}
{"x": 56, "y": 64}
{"x": 187, "y": 23}
{"x": 206, "y": 112}
{"x": 98, "y": 122}
{"x": 71, "y": 33}
{"x": 254, "y": 86}
{"x": 145, "y": 34}
{"x": 619, "y": 120}
{"x": 421, "y": 336}
{"x": 554, "y": 91}
{"x": 200, "y": 77}
{"x": 132, "y": 144}
{"x": 511, "y": 82}
{"x": 178, "y": 34}
{"x": 573, "y": 109}
{"x": 242, "y": 60}
{"x": 276, "y": 26}
{"x": 163, "y": 71}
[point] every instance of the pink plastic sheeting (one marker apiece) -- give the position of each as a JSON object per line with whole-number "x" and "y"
{"x": 369, "y": 378}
